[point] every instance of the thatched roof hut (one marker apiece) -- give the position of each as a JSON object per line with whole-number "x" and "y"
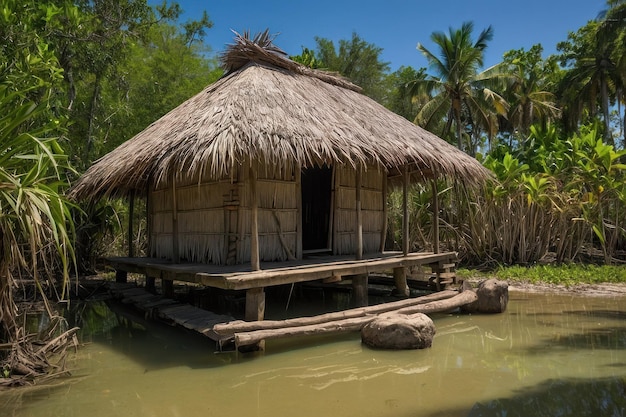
{"x": 260, "y": 146}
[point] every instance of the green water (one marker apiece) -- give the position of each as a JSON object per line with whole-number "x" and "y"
{"x": 548, "y": 355}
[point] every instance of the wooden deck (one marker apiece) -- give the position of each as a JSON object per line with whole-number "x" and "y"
{"x": 329, "y": 268}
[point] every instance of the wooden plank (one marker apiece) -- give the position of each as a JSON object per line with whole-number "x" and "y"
{"x": 269, "y": 277}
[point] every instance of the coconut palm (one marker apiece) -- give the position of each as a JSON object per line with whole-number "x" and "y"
{"x": 528, "y": 95}
{"x": 460, "y": 89}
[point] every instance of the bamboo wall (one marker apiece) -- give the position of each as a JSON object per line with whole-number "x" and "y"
{"x": 278, "y": 196}
{"x": 214, "y": 216}
{"x": 372, "y": 208}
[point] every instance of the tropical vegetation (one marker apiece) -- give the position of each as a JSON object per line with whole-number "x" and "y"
{"x": 77, "y": 78}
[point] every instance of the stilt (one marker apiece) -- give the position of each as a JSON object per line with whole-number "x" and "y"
{"x": 399, "y": 277}
{"x": 167, "y": 287}
{"x": 359, "y": 290}
{"x": 150, "y": 284}
{"x": 121, "y": 276}
{"x": 255, "y": 304}
{"x": 255, "y": 310}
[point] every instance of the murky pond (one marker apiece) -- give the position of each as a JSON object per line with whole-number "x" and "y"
{"x": 548, "y": 355}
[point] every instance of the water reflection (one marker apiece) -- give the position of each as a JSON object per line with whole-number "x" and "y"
{"x": 547, "y": 355}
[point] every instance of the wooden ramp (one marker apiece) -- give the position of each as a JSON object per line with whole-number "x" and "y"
{"x": 171, "y": 311}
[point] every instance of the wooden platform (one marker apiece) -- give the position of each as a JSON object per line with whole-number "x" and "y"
{"x": 241, "y": 277}
{"x": 171, "y": 311}
{"x": 330, "y": 268}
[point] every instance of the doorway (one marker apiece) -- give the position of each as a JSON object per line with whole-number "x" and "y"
{"x": 316, "y": 185}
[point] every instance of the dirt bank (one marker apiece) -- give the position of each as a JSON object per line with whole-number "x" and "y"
{"x": 595, "y": 290}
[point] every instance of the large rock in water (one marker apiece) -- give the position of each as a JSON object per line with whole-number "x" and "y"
{"x": 493, "y": 297}
{"x": 399, "y": 331}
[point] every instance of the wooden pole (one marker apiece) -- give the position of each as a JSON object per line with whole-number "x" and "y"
{"x": 352, "y": 324}
{"x": 131, "y": 214}
{"x": 176, "y": 254}
{"x": 298, "y": 180}
{"x": 405, "y": 210}
{"x": 255, "y": 304}
{"x": 435, "y": 217}
{"x": 383, "y": 232}
{"x": 255, "y": 262}
{"x": 239, "y": 326}
{"x": 359, "y": 215}
{"x": 399, "y": 278}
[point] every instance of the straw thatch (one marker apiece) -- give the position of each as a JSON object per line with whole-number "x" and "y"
{"x": 277, "y": 112}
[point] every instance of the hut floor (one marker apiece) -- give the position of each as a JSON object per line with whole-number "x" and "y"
{"x": 241, "y": 277}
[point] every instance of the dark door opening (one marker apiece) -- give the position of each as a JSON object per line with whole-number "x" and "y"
{"x": 316, "y": 206}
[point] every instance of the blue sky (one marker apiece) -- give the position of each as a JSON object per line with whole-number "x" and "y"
{"x": 395, "y": 25}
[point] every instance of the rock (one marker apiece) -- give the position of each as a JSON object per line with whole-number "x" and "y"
{"x": 493, "y": 297}
{"x": 399, "y": 331}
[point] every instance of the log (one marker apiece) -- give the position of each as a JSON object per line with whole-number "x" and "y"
{"x": 248, "y": 326}
{"x": 349, "y": 325}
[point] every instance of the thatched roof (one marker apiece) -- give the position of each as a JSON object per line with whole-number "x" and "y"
{"x": 271, "y": 109}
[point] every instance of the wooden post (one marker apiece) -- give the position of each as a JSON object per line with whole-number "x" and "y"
{"x": 399, "y": 278}
{"x": 359, "y": 290}
{"x": 331, "y": 218}
{"x": 383, "y": 232}
{"x": 149, "y": 219}
{"x": 298, "y": 179}
{"x": 336, "y": 181}
{"x": 131, "y": 214}
{"x": 255, "y": 262}
{"x": 405, "y": 210}
{"x": 176, "y": 254}
{"x": 255, "y": 304}
{"x": 121, "y": 276}
{"x": 359, "y": 215}
{"x": 167, "y": 287}
{"x": 435, "y": 217}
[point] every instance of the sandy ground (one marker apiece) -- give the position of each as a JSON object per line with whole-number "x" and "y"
{"x": 597, "y": 290}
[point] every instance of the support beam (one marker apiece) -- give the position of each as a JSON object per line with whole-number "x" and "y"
{"x": 131, "y": 214}
{"x": 255, "y": 260}
{"x": 121, "y": 276}
{"x": 399, "y": 278}
{"x": 435, "y": 216}
{"x": 176, "y": 254}
{"x": 359, "y": 290}
{"x": 298, "y": 180}
{"x": 383, "y": 232}
{"x": 405, "y": 210}
{"x": 255, "y": 304}
{"x": 167, "y": 287}
{"x": 359, "y": 214}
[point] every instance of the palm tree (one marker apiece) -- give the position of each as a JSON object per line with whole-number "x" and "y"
{"x": 527, "y": 94}
{"x": 459, "y": 91}
{"x": 595, "y": 54}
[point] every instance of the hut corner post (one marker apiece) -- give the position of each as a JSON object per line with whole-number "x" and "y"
{"x": 359, "y": 282}
{"x": 255, "y": 297}
{"x": 120, "y": 275}
{"x": 435, "y": 216}
{"x": 400, "y": 273}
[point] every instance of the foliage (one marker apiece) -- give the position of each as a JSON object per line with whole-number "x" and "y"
{"x": 459, "y": 91}
{"x": 565, "y": 274}
{"x": 35, "y": 224}
{"x": 357, "y": 60}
